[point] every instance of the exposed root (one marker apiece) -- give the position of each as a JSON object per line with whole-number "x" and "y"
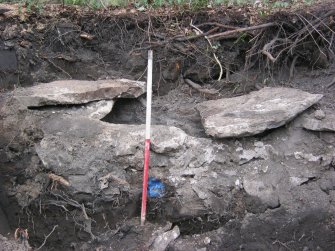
{"x": 56, "y": 179}
{"x": 201, "y": 34}
{"x": 200, "y": 89}
{"x": 228, "y": 34}
{"x": 288, "y": 35}
{"x": 86, "y": 36}
{"x": 282, "y": 244}
{"x": 87, "y": 223}
{"x": 267, "y": 47}
{"x": 331, "y": 83}
{"x": 228, "y": 27}
{"x": 59, "y": 68}
{"x": 82, "y": 220}
{"x": 293, "y": 67}
{"x": 46, "y": 237}
{"x": 210, "y": 44}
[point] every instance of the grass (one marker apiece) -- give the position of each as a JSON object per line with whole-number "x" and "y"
{"x": 137, "y": 3}
{"x": 192, "y": 4}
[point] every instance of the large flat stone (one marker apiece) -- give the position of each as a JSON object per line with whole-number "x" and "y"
{"x": 78, "y": 92}
{"x": 254, "y": 113}
{"x": 84, "y": 147}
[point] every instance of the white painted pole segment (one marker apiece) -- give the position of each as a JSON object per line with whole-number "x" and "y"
{"x": 149, "y": 95}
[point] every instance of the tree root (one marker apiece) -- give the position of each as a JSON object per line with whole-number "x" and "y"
{"x": 331, "y": 83}
{"x": 84, "y": 221}
{"x": 227, "y": 34}
{"x": 292, "y": 67}
{"x": 214, "y": 55}
{"x": 46, "y": 237}
{"x": 56, "y": 179}
{"x": 200, "y": 89}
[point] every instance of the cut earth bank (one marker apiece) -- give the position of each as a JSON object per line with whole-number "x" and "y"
{"x": 226, "y": 192}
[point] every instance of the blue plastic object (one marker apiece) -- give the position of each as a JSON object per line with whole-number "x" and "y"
{"x": 156, "y": 188}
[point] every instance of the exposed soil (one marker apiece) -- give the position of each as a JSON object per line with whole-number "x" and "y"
{"x": 74, "y": 43}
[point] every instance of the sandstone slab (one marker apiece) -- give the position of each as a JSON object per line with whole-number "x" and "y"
{"x": 254, "y": 113}
{"x": 78, "y": 92}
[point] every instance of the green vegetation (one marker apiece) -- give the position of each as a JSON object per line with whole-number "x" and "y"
{"x": 154, "y": 3}
{"x": 137, "y": 3}
{"x": 192, "y": 4}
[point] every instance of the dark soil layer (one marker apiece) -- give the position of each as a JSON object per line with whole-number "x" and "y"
{"x": 72, "y": 43}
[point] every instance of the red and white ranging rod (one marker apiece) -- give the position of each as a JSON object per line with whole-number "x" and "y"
{"x": 147, "y": 139}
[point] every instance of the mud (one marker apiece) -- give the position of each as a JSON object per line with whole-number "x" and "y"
{"x": 45, "y": 47}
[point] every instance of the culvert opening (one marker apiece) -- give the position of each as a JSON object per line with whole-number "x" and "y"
{"x": 167, "y": 210}
{"x": 57, "y": 106}
{"x": 126, "y": 111}
{"x": 201, "y": 224}
{"x": 158, "y": 212}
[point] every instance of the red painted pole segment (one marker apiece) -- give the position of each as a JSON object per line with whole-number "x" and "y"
{"x": 145, "y": 180}
{"x": 147, "y": 139}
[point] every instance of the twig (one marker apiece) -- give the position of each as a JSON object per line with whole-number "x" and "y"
{"x": 302, "y": 236}
{"x": 149, "y": 26}
{"x": 203, "y": 34}
{"x": 227, "y": 72}
{"x": 46, "y": 237}
{"x": 266, "y": 49}
{"x": 146, "y": 68}
{"x": 87, "y": 222}
{"x": 331, "y": 42}
{"x": 65, "y": 200}
{"x": 60, "y": 37}
{"x": 225, "y": 34}
{"x": 62, "y": 70}
{"x": 178, "y": 38}
{"x": 304, "y": 33}
{"x": 199, "y": 88}
{"x": 219, "y": 25}
{"x": 84, "y": 211}
{"x": 56, "y": 203}
{"x": 321, "y": 20}
{"x": 281, "y": 243}
{"x": 331, "y": 83}
{"x": 314, "y": 28}
{"x": 292, "y": 67}
{"x": 310, "y": 33}
{"x": 210, "y": 44}
{"x": 268, "y": 46}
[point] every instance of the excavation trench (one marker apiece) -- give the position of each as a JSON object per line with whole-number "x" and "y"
{"x": 71, "y": 173}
